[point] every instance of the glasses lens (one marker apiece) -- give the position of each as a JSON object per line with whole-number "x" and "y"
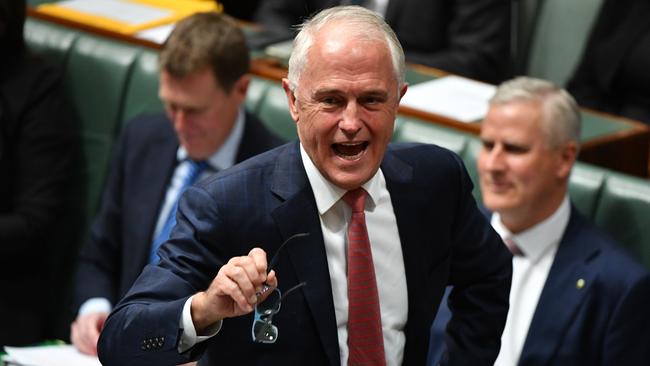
{"x": 264, "y": 332}
{"x": 270, "y": 305}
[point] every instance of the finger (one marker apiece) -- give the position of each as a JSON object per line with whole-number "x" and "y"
{"x": 227, "y": 287}
{"x": 249, "y": 266}
{"x": 259, "y": 256}
{"x": 78, "y": 340}
{"x": 240, "y": 275}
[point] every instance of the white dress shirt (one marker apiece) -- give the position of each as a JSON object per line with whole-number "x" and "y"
{"x": 529, "y": 272}
{"x": 386, "y": 254}
{"x": 223, "y": 158}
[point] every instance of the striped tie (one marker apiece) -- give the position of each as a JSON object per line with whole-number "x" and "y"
{"x": 365, "y": 337}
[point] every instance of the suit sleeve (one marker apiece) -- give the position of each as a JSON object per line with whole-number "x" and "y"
{"x": 481, "y": 272}
{"x": 478, "y": 41}
{"x": 98, "y": 268}
{"x": 150, "y": 313}
{"x": 628, "y": 336}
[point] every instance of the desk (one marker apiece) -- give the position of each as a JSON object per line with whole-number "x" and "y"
{"x": 606, "y": 140}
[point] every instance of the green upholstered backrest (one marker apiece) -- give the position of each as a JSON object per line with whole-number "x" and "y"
{"x": 561, "y": 31}
{"x": 142, "y": 87}
{"x": 585, "y": 184}
{"x": 274, "y": 112}
{"x": 53, "y": 42}
{"x": 96, "y": 80}
{"x": 623, "y": 210}
{"x": 256, "y": 91}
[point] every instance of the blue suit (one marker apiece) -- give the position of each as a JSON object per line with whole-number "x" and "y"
{"x": 261, "y": 202}
{"x": 142, "y": 167}
{"x": 606, "y": 322}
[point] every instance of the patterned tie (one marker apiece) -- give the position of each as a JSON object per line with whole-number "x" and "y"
{"x": 195, "y": 169}
{"x": 365, "y": 337}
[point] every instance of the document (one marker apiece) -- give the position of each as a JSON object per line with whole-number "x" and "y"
{"x": 119, "y": 10}
{"x": 55, "y": 355}
{"x": 455, "y": 97}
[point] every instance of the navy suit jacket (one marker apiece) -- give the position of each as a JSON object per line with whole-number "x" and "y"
{"x": 466, "y": 37}
{"x": 606, "y": 322}
{"x": 120, "y": 238}
{"x": 261, "y": 202}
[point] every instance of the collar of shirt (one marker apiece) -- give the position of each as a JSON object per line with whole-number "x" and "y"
{"x": 226, "y": 155}
{"x": 537, "y": 240}
{"x": 328, "y": 193}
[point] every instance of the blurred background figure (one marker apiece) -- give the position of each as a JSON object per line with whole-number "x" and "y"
{"x": 613, "y": 74}
{"x": 203, "y": 83}
{"x": 37, "y": 160}
{"x": 469, "y": 38}
{"x": 577, "y": 297}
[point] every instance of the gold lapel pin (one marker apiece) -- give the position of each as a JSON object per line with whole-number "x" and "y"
{"x": 580, "y": 284}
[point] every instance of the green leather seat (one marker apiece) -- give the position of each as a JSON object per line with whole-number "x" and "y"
{"x": 96, "y": 80}
{"x": 274, "y": 112}
{"x": 623, "y": 210}
{"x": 52, "y": 42}
{"x": 414, "y": 130}
{"x": 142, "y": 88}
{"x": 585, "y": 185}
{"x": 256, "y": 91}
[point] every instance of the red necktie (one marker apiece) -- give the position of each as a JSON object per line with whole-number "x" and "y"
{"x": 365, "y": 337}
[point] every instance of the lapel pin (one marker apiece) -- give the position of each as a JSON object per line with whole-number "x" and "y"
{"x": 580, "y": 284}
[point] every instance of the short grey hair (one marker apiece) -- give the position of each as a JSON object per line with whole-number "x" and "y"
{"x": 367, "y": 23}
{"x": 561, "y": 115}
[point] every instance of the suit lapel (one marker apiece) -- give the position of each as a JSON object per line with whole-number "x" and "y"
{"x": 298, "y": 214}
{"x": 562, "y": 295}
{"x": 157, "y": 168}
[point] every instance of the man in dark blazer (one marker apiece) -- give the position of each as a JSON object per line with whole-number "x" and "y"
{"x": 465, "y": 37}
{"x": 203, "y": 84}
{"x": 209, "y": 296}
{"x": 577, "y": 298}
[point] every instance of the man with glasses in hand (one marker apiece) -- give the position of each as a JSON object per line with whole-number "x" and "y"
{"x": 389, "y": 227}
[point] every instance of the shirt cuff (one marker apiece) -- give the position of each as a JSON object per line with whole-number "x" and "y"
{"x": 95, "y": 305}
{"x": 189, "y": 338}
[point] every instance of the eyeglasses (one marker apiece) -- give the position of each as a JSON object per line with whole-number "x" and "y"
{"x": 263, "y": 329}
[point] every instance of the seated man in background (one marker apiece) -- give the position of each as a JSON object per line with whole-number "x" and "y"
{"x": 577, "y": 298}
{"x": 38, "y": 154}
{"x": 469, "y": 38}
{"x": 203, "y": 84}
{"x": 385, "y": 228}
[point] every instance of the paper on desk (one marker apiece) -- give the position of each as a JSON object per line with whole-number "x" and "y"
{"x": 451, "y": 96}
{"x": 56, "y": 355}
{"x": 158, "y": 34}
{"x": 120, "y": 10}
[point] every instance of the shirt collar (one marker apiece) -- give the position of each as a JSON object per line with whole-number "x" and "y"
{"x": 327, "y": 194}
{"x": 226, "y": 154}
{"x": 537, "y": 240}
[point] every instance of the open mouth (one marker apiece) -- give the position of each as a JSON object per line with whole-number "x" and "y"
{"x": 350, "y": 150}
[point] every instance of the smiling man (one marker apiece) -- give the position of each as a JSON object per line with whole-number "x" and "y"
{"x": 389, "y": 227}
{"x": 577, "y": 298}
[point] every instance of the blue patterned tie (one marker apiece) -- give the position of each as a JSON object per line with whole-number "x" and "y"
{"x": 195, "y": 169}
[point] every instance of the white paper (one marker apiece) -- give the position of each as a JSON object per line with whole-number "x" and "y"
{"x": 158, "y": 34}
{"x": 455, "y": 97}
{"x": 56, "y": 355}
{"x": 120, "y": 10}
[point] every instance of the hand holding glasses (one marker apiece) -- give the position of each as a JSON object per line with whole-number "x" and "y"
{"x": 263, "y": 330}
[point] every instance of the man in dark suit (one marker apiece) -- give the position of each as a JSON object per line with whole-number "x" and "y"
{"x": 224, "y": 259}
{"x": 577, "y": 298}
{"x": 466, "y": 37}
{"x": 203, "y": 83}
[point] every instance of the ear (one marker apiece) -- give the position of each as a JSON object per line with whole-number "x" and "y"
{"x": 291, "y": 99}
{"x": 403, "y": 91}
{"x": 567, "y": 157}
{"x": 240, "y": 88}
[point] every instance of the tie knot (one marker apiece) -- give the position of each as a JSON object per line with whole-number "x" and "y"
{"x": 513, "y": 247}
{"x": 195, "y": 169}
{"x": 356, "y": 199}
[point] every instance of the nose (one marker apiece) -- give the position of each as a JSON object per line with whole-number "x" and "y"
{"x": 351, "y": 121}
{"x": 179, "y": 117}
{"x": 494, "y": 159}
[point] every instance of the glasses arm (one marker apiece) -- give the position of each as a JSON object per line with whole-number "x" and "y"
{"x": 284, "y": 294}
{"x": 276, "y": 255}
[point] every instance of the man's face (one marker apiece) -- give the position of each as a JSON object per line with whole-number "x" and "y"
{"x": 521, "y": 176}
{"x": 202, "y": 113}
{"x": 345, "y": 105}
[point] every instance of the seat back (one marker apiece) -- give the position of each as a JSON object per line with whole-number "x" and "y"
{"x": 142, "y": 88}
{"x": 623, "y": 211}
{"x": 50, "y": 41}
{"x": 274, "y": 112}
{"x": 561, "y": 30}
